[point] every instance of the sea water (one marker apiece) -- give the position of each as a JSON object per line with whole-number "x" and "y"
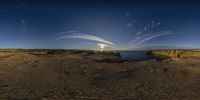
{"x": 134, "y": 55}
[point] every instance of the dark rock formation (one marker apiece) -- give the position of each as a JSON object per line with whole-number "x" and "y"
{"x": 108, "y": 57}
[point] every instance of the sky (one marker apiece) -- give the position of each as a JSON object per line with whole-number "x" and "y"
{"x": 100, "y": 24}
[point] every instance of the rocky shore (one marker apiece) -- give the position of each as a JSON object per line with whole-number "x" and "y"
{"x": 171, "y": 54}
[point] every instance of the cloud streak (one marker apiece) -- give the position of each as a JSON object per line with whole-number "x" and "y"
{"x": 149, "y": 32}
{"x": 84, "y": 36}
{"x": 142, "y": 39}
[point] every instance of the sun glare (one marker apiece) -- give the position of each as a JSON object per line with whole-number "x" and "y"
{"x": 102, "y": 46}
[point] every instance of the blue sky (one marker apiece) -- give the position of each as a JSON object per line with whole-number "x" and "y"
{"x": 87, "y": 25}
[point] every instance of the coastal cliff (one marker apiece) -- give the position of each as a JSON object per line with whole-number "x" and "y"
{"x": 175, "y": 53}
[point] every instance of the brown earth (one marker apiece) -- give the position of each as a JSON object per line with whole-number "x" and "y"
{"x": 65, "y": 76}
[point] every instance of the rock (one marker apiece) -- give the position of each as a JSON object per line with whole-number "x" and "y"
{"x": 176, "y": 53}
{"x": 149, "y": 52}
{"x": 118, "y": 54}
{"x": 165, "y": 54}
{"x": 108, "y": 57}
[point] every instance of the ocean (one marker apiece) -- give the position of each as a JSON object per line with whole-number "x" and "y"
{"x": 134, "y": 55}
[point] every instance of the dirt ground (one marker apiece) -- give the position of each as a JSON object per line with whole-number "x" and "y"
{"x": 25, "y": 76}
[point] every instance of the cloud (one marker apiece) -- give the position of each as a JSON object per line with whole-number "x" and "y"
{"x": 149, "y": 32}
{"x": 145, "y": 28}
{"x": 142, "y": 39}
{"x": 127, "y": 14}
{"x": 139, "y": 32}
{"x": 84, "y": 36}
{"x": 109, "y": 46}
{"x": 129, "y": 24}
{"x": 23, "y": 24}
{"x": 99, "y": 44}
{"x": 149, "y": 27}
{"x": 137, "y": 39}
{"x": 158, "y": 23}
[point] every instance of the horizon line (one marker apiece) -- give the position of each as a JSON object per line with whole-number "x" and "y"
{"x": 98, "y": 49}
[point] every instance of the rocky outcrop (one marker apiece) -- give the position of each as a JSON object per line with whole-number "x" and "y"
{"x": 176, "y": 53}
{"x": 108, "y": 57}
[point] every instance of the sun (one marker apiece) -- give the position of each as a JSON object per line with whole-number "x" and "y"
{"x": 102, "y": 46}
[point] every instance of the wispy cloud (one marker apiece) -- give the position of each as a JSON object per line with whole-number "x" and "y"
{"x": 129, "y": 24}
{"x": 158, "y": 23}
{"x": 142, "y": 39}
{"x": 128, "y": 18}
{"x": 149, "y": 27}
{"x": 84, "y": 36}
{"x": 149, "y": 32}
{"x": 23, "y": 24}
{"x": 127, "y": 14}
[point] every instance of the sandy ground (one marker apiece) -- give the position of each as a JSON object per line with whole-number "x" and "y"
{"x": 26, "y": 76}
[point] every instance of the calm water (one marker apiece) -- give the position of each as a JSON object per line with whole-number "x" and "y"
{"x": 134, "y": 55}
